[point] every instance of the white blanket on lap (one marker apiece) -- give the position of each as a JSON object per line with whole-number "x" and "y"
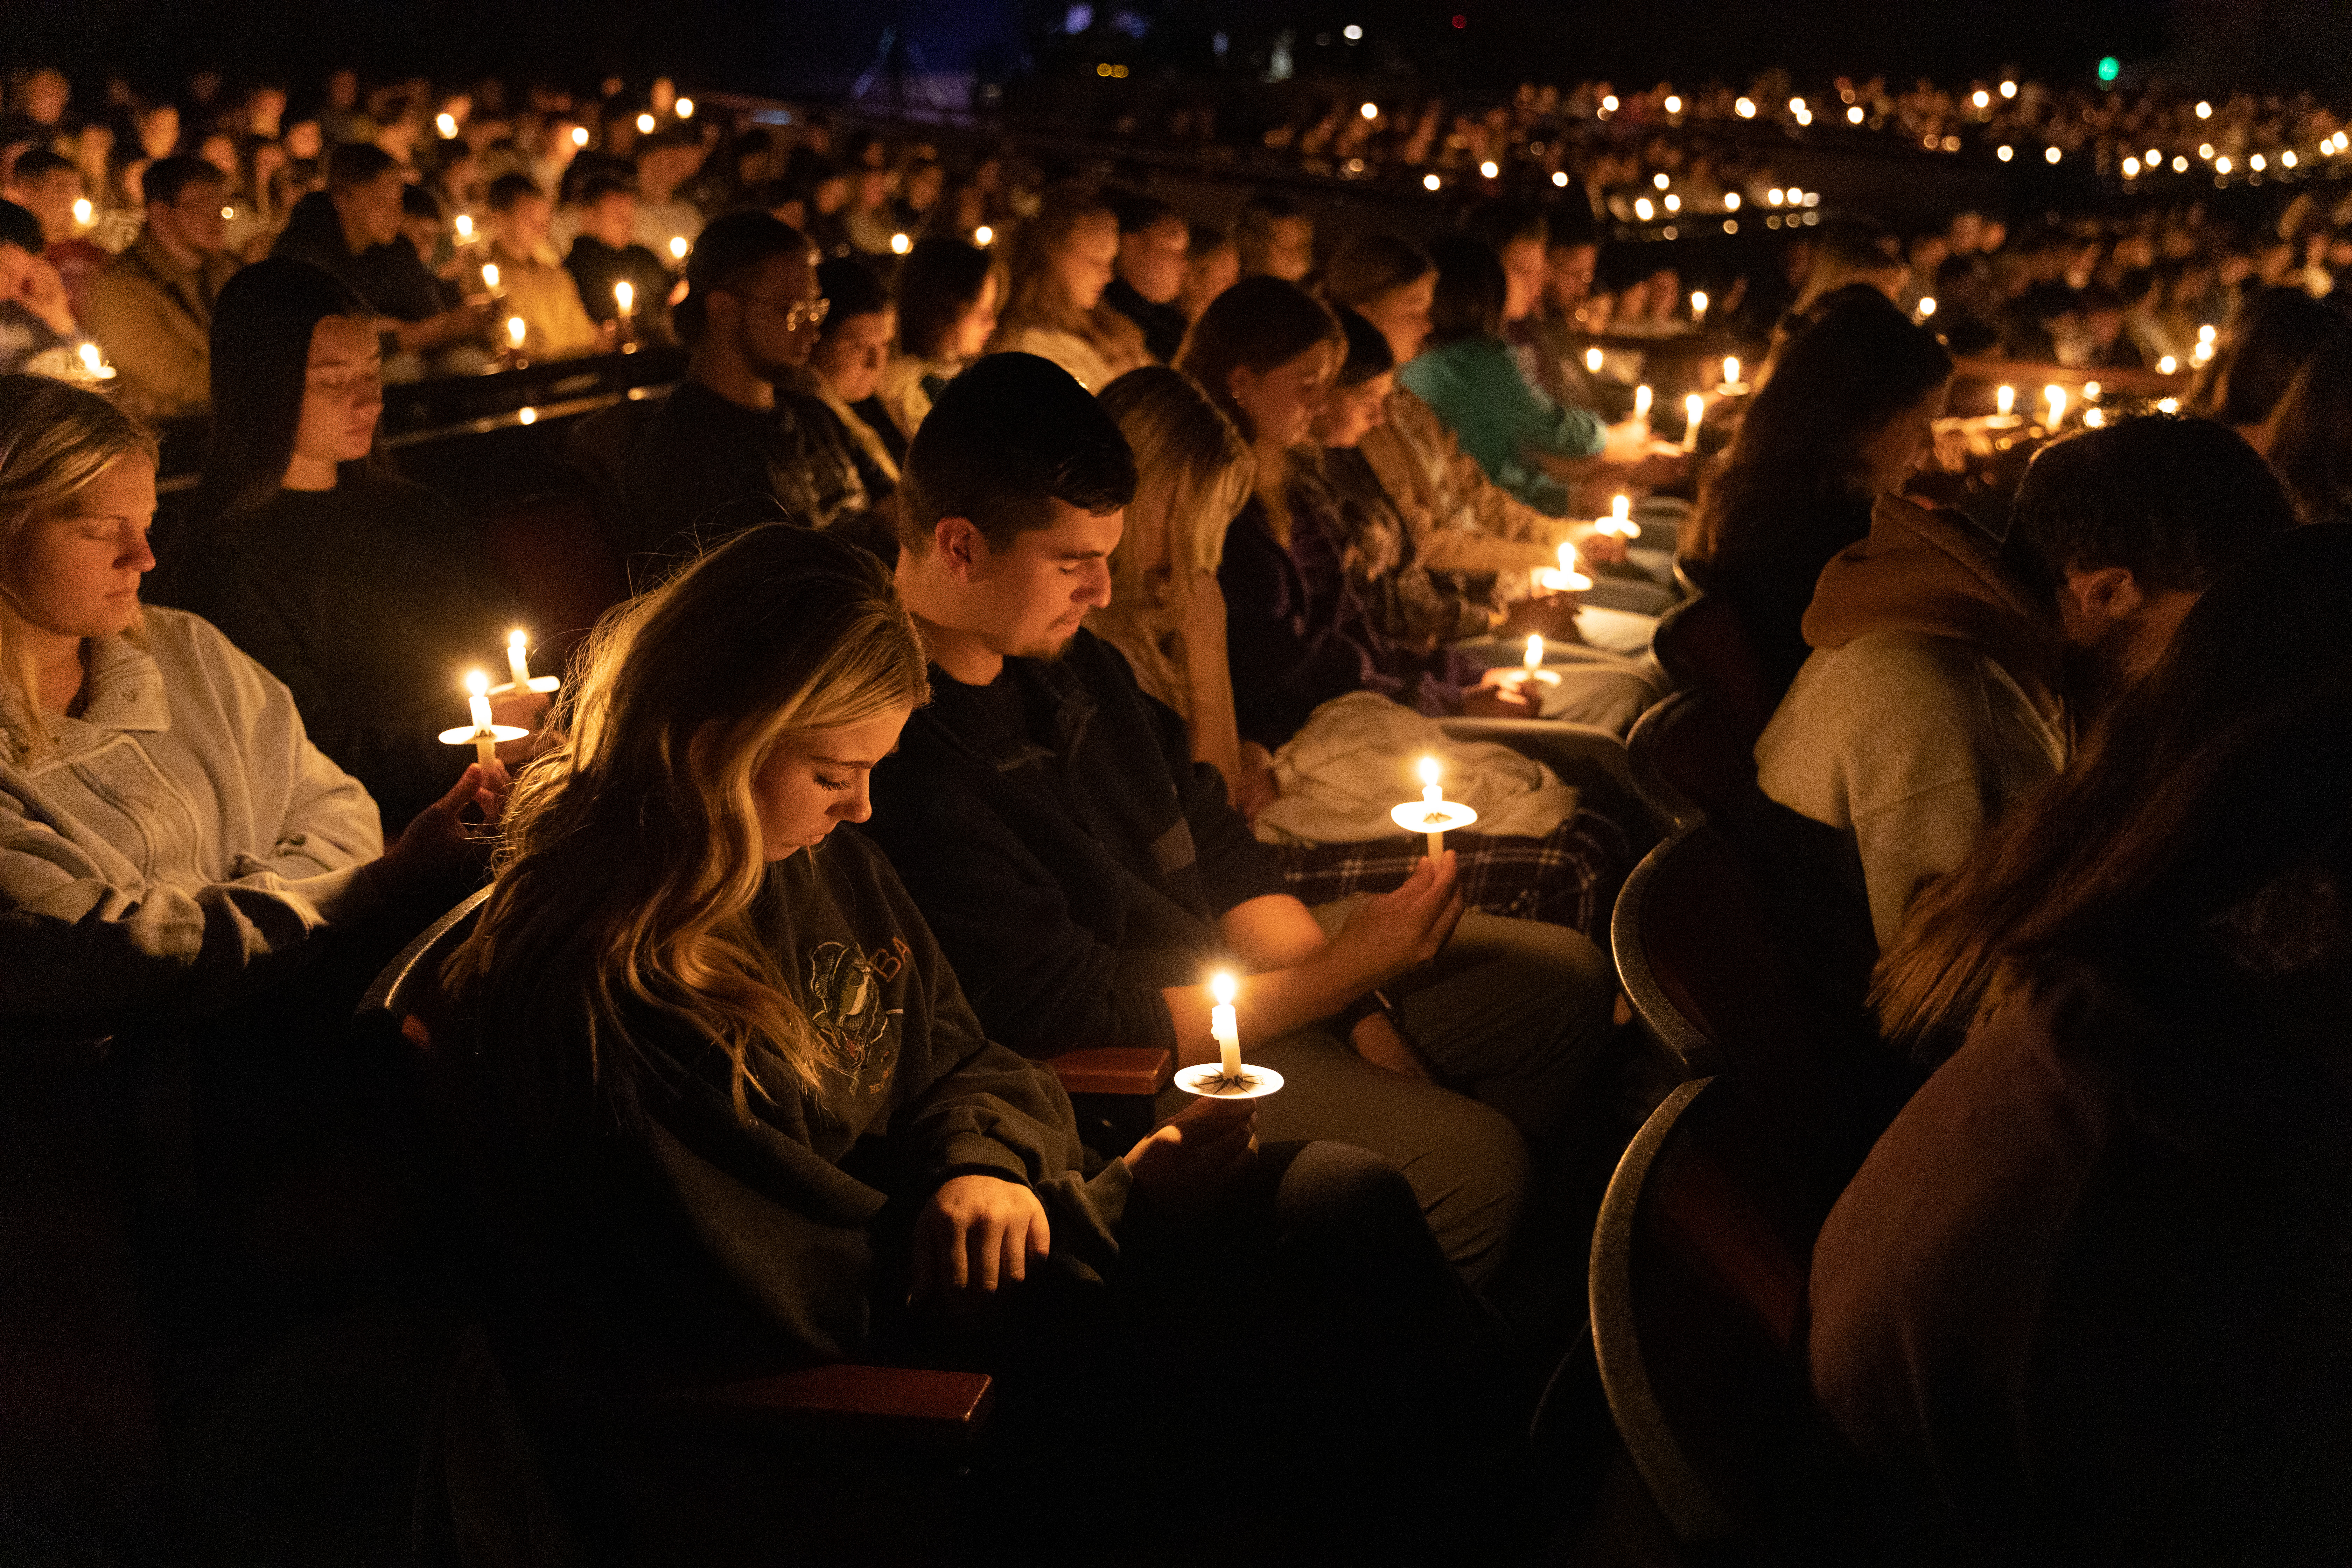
{"x": 1359, "y": 754}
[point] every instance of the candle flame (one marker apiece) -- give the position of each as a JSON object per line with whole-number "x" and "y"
{"x": 1698, "y": 301}
{"x": 515, "y": 330}
{"x": 678, "y": 246}
{"x": 1641, "y": 403}
{"x": 83, "y": 211}
{"x": 685, "y": 107}
{"x": 900, "y": 245}
{"x": 2004, "y": 398}
{"x": 477, "y": 683}
{"x": 579, "y": 136}
{"x": 625, "y": 294}
{"x": 90, "y": 357}
{"x": 1429, "y": 770}
{"x": 489, "y": 268}
{"x": 1535, "y": 642}
{"x": 464, "y": 227}
{"x": 517, "y": 639}
{"x": 982, "y": 236}
{"x": 1221, "y": 986}
{"x": 645, "y": 124}
{"x": 1730, "y": 371}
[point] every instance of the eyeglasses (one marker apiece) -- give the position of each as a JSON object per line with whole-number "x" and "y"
{"x": 800, "y": 313}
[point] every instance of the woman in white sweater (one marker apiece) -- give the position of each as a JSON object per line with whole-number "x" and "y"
{"x": 168, "y": 833}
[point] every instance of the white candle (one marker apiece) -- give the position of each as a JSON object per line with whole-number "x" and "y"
{"x": 515, "y": 330}
{"x": 517, "y": 661}
{"x": 1730, "y": 371}
{"x": 477, "y": 702}
{"x": 2004, "y": 398}
{"x": 84, "y": 214}
{"x": 490, "y": 275}
{"x": 1641, "y": 403}
{"x": 2055, "y": 395}
{"x": 1620, "y": 520}
{"x": 1535, "y": 651}
{"x": 1569, "y": 580}
{"x": 1432, "y": 795}
{"x": 1693, "y": 412}
{"x": 677, "y": 248}
{"x": 624, "y": 295}
{"x": 1698, "y": 308}
{"x": 465, "y": 228}
{"x": 1592, "y": 361}
{"x": 1224, "y": 1028}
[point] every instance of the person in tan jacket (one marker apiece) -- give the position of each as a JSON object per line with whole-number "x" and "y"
{"x": 151, "y": 308}
{"x": 534, "y": 289}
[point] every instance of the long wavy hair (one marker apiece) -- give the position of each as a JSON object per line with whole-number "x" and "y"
{"x": 632, "y": 854}
{"x": 54, "y": 440}
{"x": 2206, "y": 816}
{"x": 1033, "y": 292}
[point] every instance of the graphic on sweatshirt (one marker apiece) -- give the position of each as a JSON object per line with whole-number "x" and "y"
{"x": 847, "y": 990}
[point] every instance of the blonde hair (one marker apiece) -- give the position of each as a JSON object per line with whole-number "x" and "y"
{"x": 1192, "y": 466}
{"x": 632, "y": 854}
{"x": 55, "y": 440}
{"x": 1034, "y": 293}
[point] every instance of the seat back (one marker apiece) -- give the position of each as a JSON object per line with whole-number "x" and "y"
{"x": 1697, "y": 1285}
{"x": 554, "y": 550}
{"x": 1703, "y": 646}
{"x": 1691, "y": 765}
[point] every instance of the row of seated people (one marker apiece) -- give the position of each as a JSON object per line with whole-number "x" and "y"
{"x": 178, "y": 846}
{"x": 2012, "y": 775}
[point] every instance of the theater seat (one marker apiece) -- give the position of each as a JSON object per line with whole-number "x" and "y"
{"x": 1703, "y": 646}
{"x": 1697, "y": 1283}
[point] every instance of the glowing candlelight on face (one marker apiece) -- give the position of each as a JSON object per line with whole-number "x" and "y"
{"x": 677, "y": 248}
{"x": 2055, "y": 395}
{"x": 2004, "y": 399}
{"x": 1592, "y": 361}
{"x": 624, "y": 295}
{"x": 1641, "y": 403}
{"x": 1694, "y": 413}
{"x": 1224, "y": 1028}
{"x": 515, "y": 330}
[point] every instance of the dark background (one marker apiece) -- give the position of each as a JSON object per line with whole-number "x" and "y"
{"x": 814, "y": 46}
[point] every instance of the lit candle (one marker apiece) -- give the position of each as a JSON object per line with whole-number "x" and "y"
{"x": 1224, "y": 1028}
{"x": 1620, "y": 520}
{"x": 1641, "y": 403}
{"x": 1592, "y": 361}
{"x": 984, "y": 235}
{"x": 518, "y": 660}
{"x": 624, "y": 295}
{"x": 579, "y": 136}
{"x": 2004, "y": 398}
{"x": 1730, "y": 371}
{"x": 1434, "y": 798}
{"x": 677, "y": 248}
{"x": 1535, "y": 652}
{"x": 900, "y": 245}
{"x": 465, "y": 228}
{"x": 1568, "y": 579}
{"x": 84, "y": 214}
{"x": 1698, "y": 308}
{"x": 2055, "y": 395}
{"x": 477, "y": 702}
{"x": 490, "y": 275}
{"x": 1694, "y": 413}
{"x": 515, "y": 330}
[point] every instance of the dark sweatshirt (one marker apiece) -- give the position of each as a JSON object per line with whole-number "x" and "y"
{"x": 725, "y": 1241}
{"x": 369, "y": 601}
{"x": 1071, "y": 855}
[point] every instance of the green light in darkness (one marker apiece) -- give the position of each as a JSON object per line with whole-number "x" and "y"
{"x": 2109, "y": 67}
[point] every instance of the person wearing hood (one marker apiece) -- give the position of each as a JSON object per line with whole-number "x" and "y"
{"x": 1947, "y": 673}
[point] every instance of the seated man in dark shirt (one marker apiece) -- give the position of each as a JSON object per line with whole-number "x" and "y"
{"x": 1148, "y": 273}
{"x": 352, "y": 229}
{"x": 732, "y": 447}
{"x": 603, "y": 255}
{"x": 1084, "y": 876}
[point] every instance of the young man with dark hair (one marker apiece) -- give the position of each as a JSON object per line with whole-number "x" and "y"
{"x": 735, "y": 444}
{"x": 1149, "y": 273}
{"x": 352, "y": 229}
{"x": 1945, "y": 682}
{"x": 151, "y": 308}
{"x": 47, "y": 184}
{"x": 1084, "y": 876}
{"x": 533, "y": 289}
{"x": 603, "y": 255}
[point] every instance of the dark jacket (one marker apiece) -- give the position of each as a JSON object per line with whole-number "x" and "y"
{"x": 595, "y": 267}
{"x": 1072, "y": 857}
{"x": 390, "y": 278}
{"x": 715, "y": 1241}
{"x": 1164, "y": 325}
{"x": 369, "y": 601}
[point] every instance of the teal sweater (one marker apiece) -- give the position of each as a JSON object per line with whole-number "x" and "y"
{"x": 1476, "y": 388}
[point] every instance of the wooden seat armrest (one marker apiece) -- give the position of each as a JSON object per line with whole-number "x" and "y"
{"x": 1114, "y": 1070}
{"x": 908, "y": 1404}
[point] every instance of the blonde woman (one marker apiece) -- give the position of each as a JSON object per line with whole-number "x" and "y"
{"x": 169, "y": 836}
{"x": 748, "y": 1085}
{"x": 1062, "y": 259}
{"x": 1166, "y": 612}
